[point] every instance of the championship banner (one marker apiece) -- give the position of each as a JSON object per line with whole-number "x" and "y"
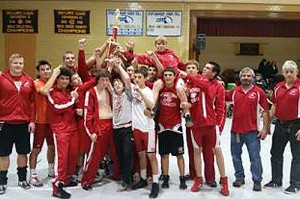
{"x": 20, "y": 21}
{"x": 71, "y": 21}
{"x": 130, "y": 22}
{"x": 167, "y": 23}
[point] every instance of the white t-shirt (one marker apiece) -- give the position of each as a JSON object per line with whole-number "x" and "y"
{"x": 122, "y": 112}
{"x": 139, "y": 120}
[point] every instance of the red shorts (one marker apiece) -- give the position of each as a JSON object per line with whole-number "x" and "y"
{"x": 144, "y": 141}
{"x": 42, "y": 132}
{"x": 206, "y": 134}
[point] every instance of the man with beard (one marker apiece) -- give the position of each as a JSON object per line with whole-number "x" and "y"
{"x": 248, "y": 100}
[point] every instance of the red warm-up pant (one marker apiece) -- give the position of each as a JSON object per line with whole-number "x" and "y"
{"x": 190, "y": 153}
{"x": 66, "y": 148}
{"x": 97, "y": 152}
{"x": 205, "y": 137}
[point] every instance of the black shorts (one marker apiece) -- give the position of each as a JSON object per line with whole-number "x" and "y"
{"x": 11, "y": 134}
{"x": 170, "y": 142}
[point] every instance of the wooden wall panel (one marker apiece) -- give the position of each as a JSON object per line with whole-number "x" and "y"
{"x": 24, "y": 44}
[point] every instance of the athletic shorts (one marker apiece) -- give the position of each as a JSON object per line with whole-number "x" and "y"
{"x": 42, "y": 132}
{"x": 144, "y": 141}
{"x": 170, "y": 142}
{"x": 11, "y": 134}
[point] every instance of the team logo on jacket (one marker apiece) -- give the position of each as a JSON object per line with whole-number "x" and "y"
{"x": 27, "y": 84}
{"x": 252, "y": 95}
{"x": 293, "y": 92}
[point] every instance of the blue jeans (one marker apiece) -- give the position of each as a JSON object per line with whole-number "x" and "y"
{"x": 253, "y": 146}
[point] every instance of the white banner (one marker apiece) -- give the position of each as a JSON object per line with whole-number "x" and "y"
{"x": 166, "y": 23}
{"x": 130, "y": 22}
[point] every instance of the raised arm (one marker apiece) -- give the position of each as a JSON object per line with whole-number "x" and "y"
{"x": 46, "y": 88}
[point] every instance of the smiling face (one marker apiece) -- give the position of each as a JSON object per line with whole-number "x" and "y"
{"x": 103, "y": 82}
{"x": 118, "y": 86}
{"x": 192, "y": 69}
{"x": 152, "y": 73}
{"x": 161, "y": 46}
{"x": 130, "y": 72}
{"x": 169, "y": 78}
{"x": 63, "y": 82}
{"x": 139, "y": 79}
{"x": 16, "y": 66}
{"x": 76, "y": 80}
{"x": 290, "y": 75}
{"x": 45, "y": 71}
{"x": 69, "y": 60}
{"x": 246, "y": 78}
{"x": 208, "y": 71}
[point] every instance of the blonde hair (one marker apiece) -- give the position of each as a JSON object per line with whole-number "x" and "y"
{"x": 160, "y": 39}
{"x": 15, "y": 56}
{"x": 193, "y": 62}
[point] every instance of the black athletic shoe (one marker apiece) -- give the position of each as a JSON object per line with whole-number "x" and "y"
{"x": 165, "y": 184}
{"x": 87, "y": 187}
{"x": 140, "y": 184}
{"x": 273, "y": 184}
{"x": 238, "y": 182}
{"x": 291, "y": 189}
{"x": 2, "y": 189}
{"x": 212, "y": 184}
{"x": 72, "y": 184}
{"x": 154, "y": 190}
{"x": 61, "y": 193}
{"x": 182, "y": 184}
{"x": 24, "y": 185}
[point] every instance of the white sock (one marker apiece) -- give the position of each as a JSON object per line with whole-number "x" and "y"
{"x": 51, "y": 168}
{"x": 155, "y": 178}
{"x": 32, "y": 172}
{"x": 144, "y": 174}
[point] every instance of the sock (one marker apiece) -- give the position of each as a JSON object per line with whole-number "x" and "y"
{"x": 32, "y": 172}
{"x": 144, "y": 174}
{"x": 155, "y": 178}
{"x": 3, "y": 177}
{"x": 51, "y": 169}
{"x": 22, "y": 171}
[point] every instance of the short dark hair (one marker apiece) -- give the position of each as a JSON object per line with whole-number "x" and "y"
{"x": 169, "y": 69}
{"x": 102, "y": 73}
{"x": 118, "y": 80}
{"x": 65, "y": 72}
{"x": 216, "y": 67}
{"x": 40, "y": 63}
{"x": 142, "y": 70}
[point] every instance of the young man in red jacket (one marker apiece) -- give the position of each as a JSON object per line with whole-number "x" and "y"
{"x": 98, "y": 123}
{"x": 216, "y": 94}
{"x": 62, "y": 111}
{"x": 17, "y": 118}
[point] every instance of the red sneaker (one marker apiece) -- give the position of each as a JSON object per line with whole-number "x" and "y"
{"x": 224, "y": 184}
{"x": 197, "y": 184}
